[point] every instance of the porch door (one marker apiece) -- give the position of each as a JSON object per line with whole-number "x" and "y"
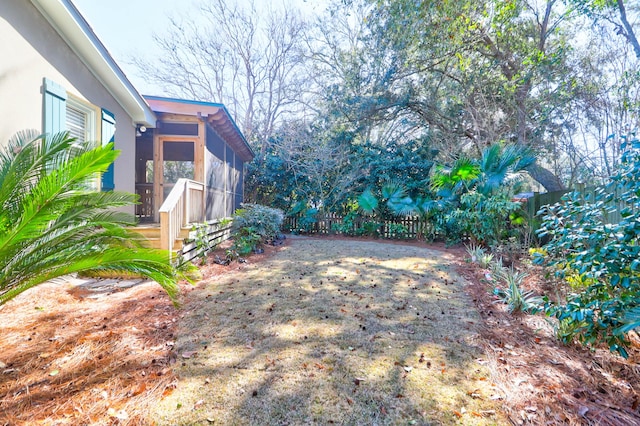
{"x": 178, "y": 162}
{"x": 175, "y": 157}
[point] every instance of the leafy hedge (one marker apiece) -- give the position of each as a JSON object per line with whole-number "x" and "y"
{"x": 604, "y": 256}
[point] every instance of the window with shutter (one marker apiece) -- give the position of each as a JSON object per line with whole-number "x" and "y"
{"x": 80, "y": 120}
{"x": 108, "y": 135}
{"x": 76, "y": 123}
{"x": 54, "y": 107}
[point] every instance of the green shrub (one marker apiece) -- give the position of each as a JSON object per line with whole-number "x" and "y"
{"x": 245, "y": 240}
{"x": 307, "y": 217}
{"x": 605, "y": 256}
{"x": 483, "y": 219}
{"x": 52, "y": 223}
{"x": 348, "y": 224}
{"x": 397, "y": 231}
{"x": 369, "y": 229}
{"x": 253, "y": 225}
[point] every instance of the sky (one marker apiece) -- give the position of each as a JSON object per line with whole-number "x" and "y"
{"x": 126, "y": 28}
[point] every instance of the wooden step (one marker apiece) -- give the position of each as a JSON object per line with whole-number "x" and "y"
{"x": 152, "y": 235}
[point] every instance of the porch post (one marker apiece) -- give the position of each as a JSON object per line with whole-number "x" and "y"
{"x": 158, "y": 179}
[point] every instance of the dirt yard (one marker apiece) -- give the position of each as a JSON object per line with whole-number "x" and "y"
{"x": 320, "y": 331}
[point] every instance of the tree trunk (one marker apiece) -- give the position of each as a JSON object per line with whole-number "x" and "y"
{"x": 630, "y": 35}
{"x": 545, "y": 177}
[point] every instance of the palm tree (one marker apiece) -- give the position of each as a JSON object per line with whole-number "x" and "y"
{"x": 495, "y": 166}
{"x": 53, "y": 223}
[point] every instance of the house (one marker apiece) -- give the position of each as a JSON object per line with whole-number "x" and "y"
{"x": 56, "y": 75}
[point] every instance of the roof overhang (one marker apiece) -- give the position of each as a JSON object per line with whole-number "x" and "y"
{"x": 216, "y": 115}
{"x": 77, "y": 33}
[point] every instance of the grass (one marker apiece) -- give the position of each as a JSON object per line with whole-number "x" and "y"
{"x": 343, "y": 332}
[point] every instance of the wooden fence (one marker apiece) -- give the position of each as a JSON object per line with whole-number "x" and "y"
{"x": 325, "y": 224}
{"x": 611, "y": 210}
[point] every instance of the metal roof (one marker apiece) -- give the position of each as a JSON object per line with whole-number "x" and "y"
{"x": 215, "y": 114}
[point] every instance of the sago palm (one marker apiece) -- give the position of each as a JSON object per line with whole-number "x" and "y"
{"x": 53, "y": 223}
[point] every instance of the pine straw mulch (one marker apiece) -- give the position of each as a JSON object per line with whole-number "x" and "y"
{"x": 71, "y": 357}
{"x": 84, "y": 351}
{"x": 544, "y": 381}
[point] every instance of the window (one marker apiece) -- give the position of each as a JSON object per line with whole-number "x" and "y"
{"x": 81, "y": 120}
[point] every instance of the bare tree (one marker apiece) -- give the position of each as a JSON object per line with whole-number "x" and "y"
{"x": 247, "y": 58}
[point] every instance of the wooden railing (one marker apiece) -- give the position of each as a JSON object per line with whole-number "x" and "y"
{"x": 184, "y": 205}
{"x": 205, "y": 236}
{"x": 144, "y": 210}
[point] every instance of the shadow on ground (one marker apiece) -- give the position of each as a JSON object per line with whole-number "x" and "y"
{"x": 344, "y": 332}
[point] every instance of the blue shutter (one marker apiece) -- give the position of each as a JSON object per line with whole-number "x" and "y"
{"x": 108, "y": 135}
{"x": 54, "y": 111}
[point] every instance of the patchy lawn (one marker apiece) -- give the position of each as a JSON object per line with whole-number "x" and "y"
{"x": 344, "y": 332}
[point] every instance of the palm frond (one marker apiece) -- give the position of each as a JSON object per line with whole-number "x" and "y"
{"x": 53, "y": 224}
{"x": 367, "y": 202}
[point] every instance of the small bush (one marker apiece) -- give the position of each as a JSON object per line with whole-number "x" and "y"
{"x": 253, "y": 225}
{"x": 369, "y": 229}
{"x": 516, "y": 299}
{"x": 397, "y": 231}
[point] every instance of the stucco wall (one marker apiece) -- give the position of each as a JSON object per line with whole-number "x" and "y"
{"x": 30, "y": 50}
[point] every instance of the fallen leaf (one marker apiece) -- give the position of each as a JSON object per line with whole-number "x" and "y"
{"x": 198, "y": 403}
{"x": 54, "y": 372}
{"x": 137, "y": 390}
{"x": 319, "y": 366}
{"x": 188, "y": 354}
{"x": 349, "y": 401}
